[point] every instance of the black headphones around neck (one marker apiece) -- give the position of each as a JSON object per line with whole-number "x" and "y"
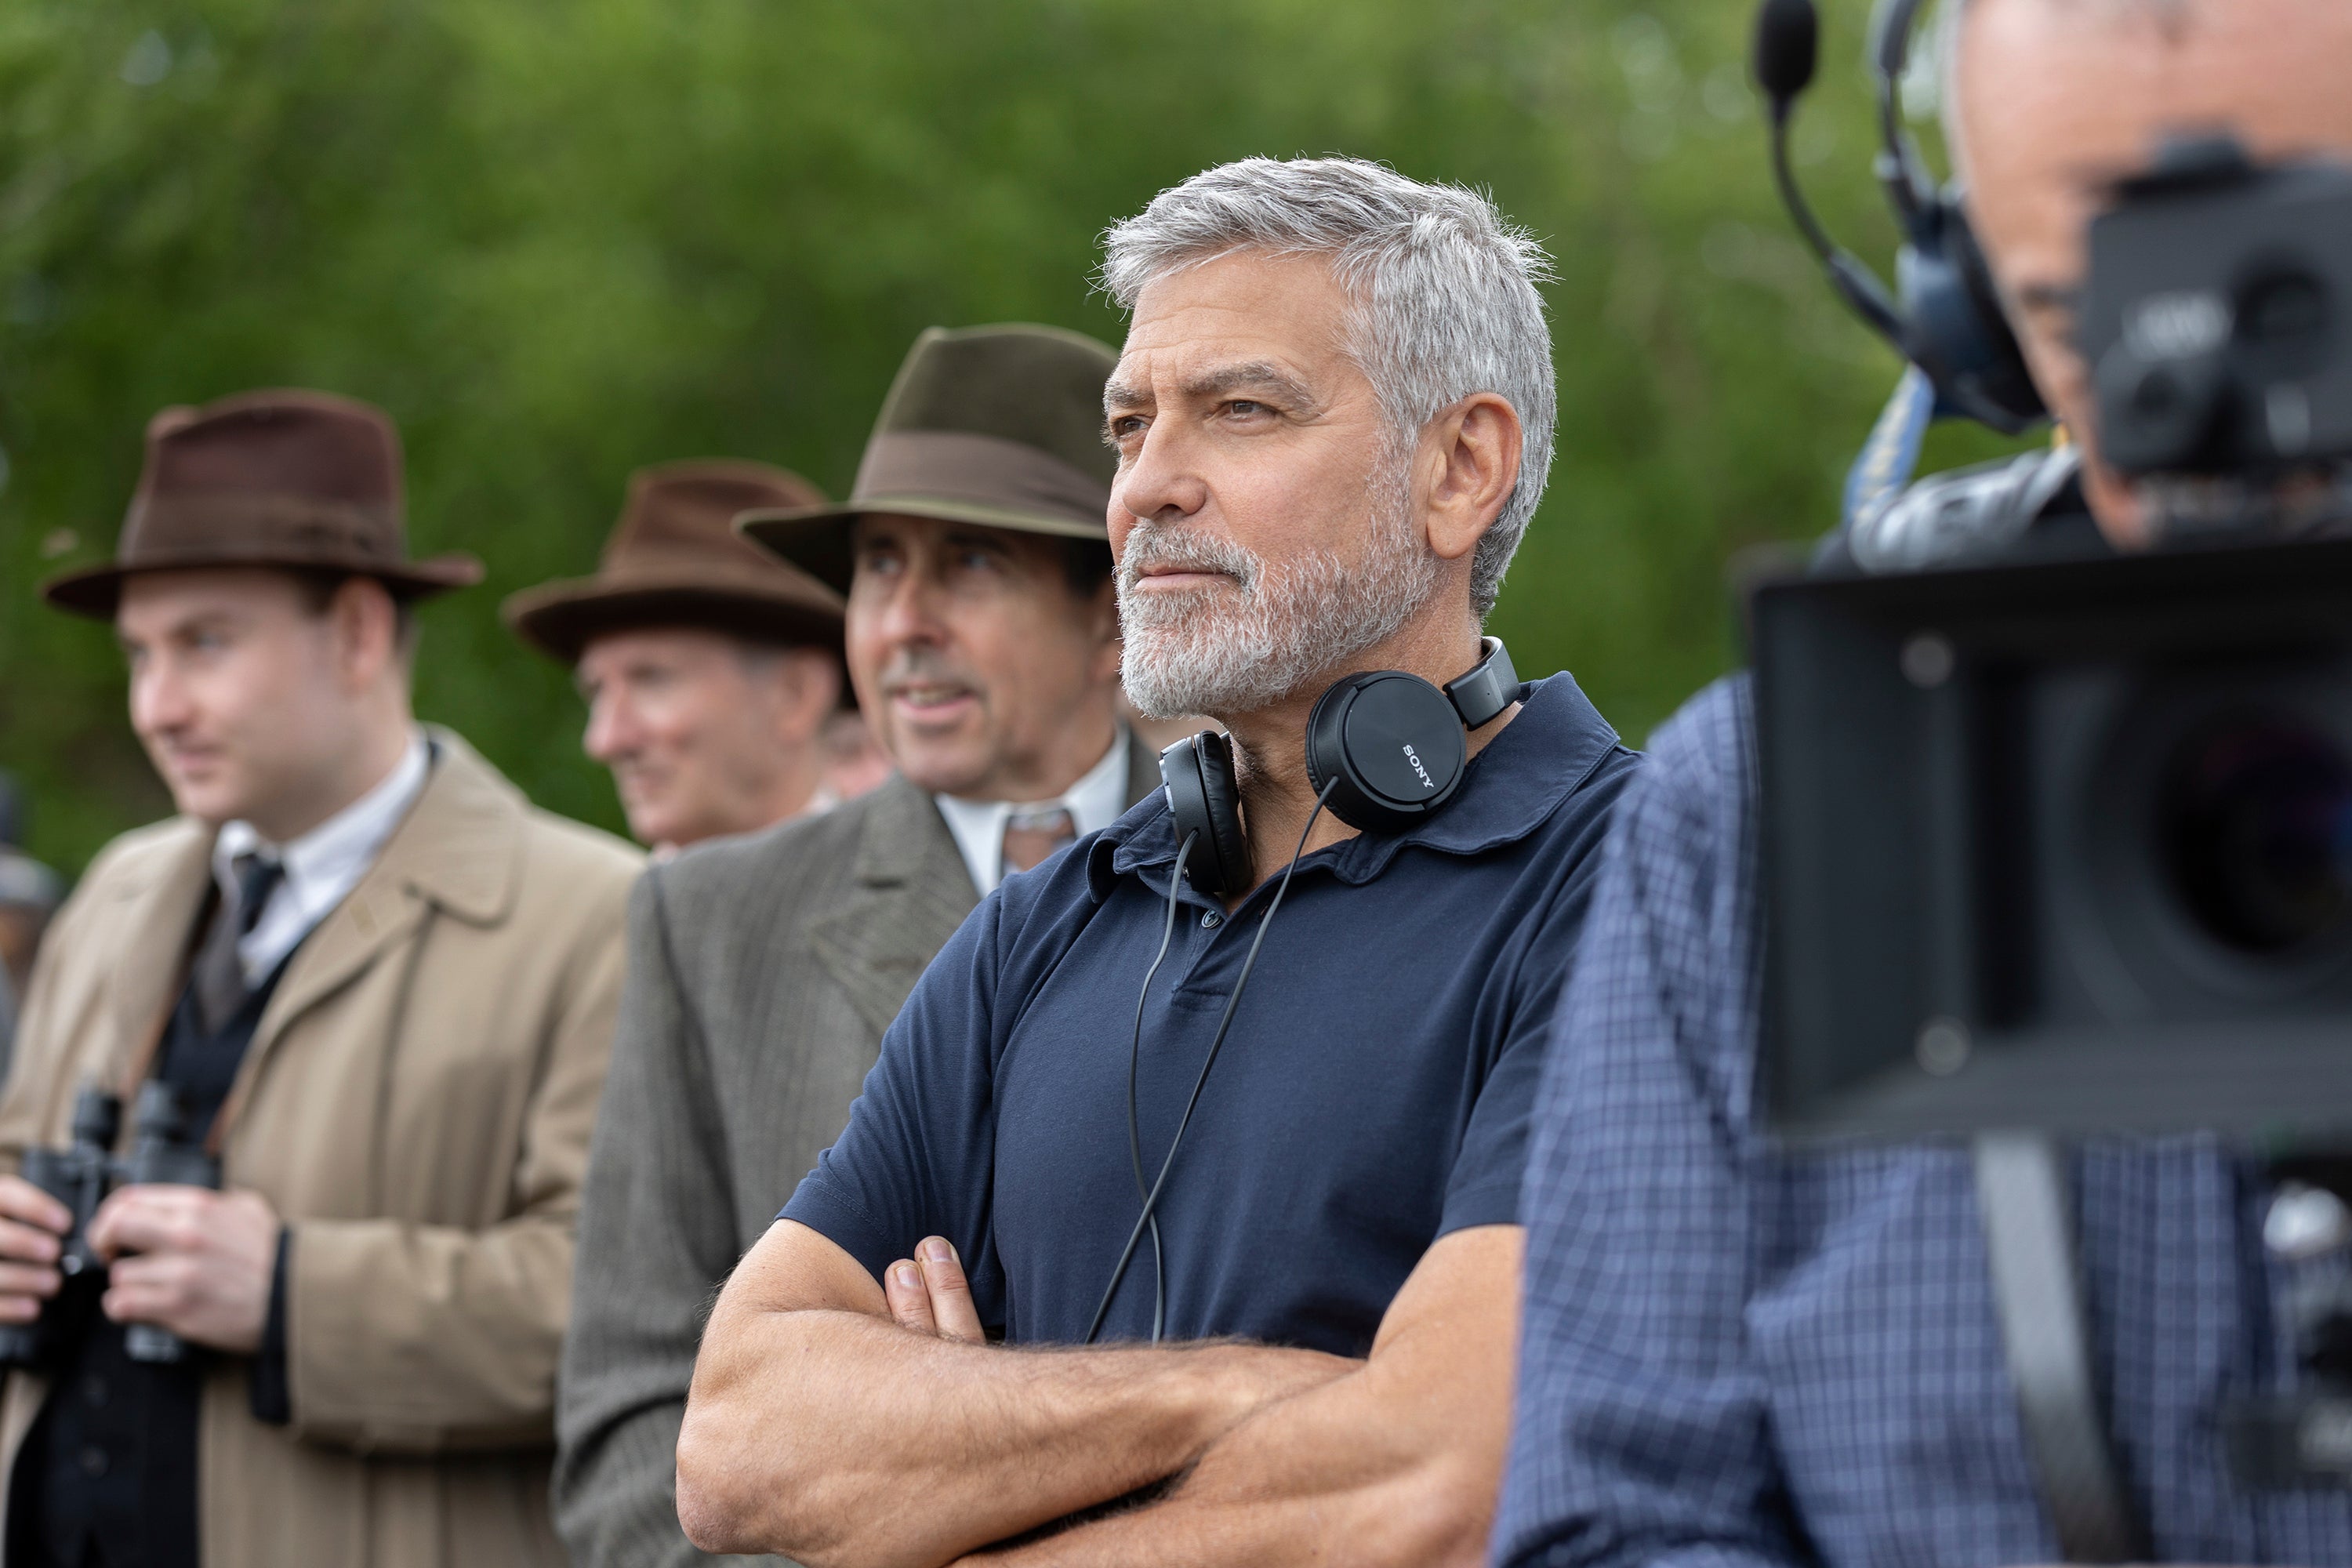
{"x": 1945, "y": 316}
{"x": 1389, "y": 747}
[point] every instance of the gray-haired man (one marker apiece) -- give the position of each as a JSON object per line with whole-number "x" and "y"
{"x": 1332, "y": 416}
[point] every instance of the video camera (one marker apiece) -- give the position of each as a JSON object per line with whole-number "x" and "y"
{"x": 81, "y": 1175}
{"x": 2068, "y": 846}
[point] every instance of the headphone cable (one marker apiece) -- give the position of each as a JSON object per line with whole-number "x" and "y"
{"x": 1134, "y": 1054}
{"x": 1216, "y": 1044}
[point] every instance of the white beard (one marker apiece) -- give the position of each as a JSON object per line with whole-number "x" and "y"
{"x": 1236, "y": 649}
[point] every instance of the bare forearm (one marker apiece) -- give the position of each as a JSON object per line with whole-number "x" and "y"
{"x": 1311, "y": 1481}
{"x": 837, "y": 1437}
{"x": 1397, "y": 1462}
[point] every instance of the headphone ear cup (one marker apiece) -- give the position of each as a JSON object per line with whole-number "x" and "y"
{"x": 2008, "y": 381}
{"x": 1204, "y": 797}
{"x": 1957, "y": 330}
{"x": 1390, "y": 748}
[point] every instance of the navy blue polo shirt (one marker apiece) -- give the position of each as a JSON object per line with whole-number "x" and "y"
{"x": 1372, "y": 1096}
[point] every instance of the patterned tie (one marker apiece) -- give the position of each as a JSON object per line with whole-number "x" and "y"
{"x": 219, "y": 972}
{"x": 1031, "y": 835}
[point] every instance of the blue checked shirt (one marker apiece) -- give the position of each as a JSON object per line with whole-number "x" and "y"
{"x": 1733, "y": 1357}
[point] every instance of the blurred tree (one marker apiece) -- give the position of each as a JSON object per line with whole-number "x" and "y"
{"x": 561, "y": 241}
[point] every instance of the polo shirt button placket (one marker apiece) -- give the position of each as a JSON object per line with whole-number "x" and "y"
{"x": 1211, "y": 919}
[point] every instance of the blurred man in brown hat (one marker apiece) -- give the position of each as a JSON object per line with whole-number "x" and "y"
{"x": 371, "y": 981}
{"x": 983, "y": 640}
{"x": 711, "y": 670}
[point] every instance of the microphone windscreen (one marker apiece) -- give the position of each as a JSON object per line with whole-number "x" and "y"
{"x": 1788, "y": 46}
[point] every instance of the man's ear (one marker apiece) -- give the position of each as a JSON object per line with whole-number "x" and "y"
{"x": 367, "y": 631}
{"x": 1472, "y": 450}
{"x": 808, "y": 689}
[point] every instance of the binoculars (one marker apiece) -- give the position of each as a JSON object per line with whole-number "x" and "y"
{"x": 81, "y": 1175}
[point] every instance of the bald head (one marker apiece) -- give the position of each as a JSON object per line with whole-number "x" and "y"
{"x": 2053, "y": 101}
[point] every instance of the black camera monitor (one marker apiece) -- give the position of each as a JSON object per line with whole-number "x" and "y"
{"x": 2064, "y": 845}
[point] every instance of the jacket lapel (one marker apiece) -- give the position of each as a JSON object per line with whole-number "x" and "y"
{"x": 457, "y": 853}
{"x": 909, "y": 891}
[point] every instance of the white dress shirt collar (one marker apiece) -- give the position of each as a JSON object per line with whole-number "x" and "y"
{"x": 322, "y": 866}
{"x": 1093, "y": 803}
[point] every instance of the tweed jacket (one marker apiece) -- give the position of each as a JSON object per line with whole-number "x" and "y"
{"x": 416, "y": 1104}
{"x": 762, "y": 973}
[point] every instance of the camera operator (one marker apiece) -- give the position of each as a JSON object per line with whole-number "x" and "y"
{"x": 377, "y": 987}
{"x": 1333, "y": 419}
{"x": 1739, "y": 1355}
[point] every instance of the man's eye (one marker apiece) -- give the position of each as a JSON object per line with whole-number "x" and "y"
{"x": 1246, "y": 407}
{"x": 1125, "y": 427}
{"x": 977, "y": 561}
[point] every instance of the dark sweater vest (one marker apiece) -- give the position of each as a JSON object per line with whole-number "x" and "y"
{"x": 107, "y": 1477}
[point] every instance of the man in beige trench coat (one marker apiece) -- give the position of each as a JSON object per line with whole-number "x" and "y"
{"x": 382, "y": 980}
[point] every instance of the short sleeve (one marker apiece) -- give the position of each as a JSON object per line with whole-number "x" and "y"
{"x": 918, "y": 1156}
{"x": 1488, "y": 1173}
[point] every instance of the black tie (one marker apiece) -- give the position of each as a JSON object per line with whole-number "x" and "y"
{"x": 219, "y": 974}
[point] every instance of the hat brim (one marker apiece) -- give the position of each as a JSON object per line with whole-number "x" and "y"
{"x": 562, "y": 618}
{"x": 816, "y": 538}
{"x": 97, "y": 591}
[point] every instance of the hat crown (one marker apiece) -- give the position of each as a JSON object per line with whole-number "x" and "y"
{"x": 674, "y": 559}
{"x": 1039, "y": 386}
{"x": 680, "y": 517}
{"x": 288, "y": 479}
{"x": 312, "y": 447}
{"x": 997, "y": 426}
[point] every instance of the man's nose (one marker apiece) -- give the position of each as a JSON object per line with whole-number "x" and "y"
{"x": 1162, "y": 480}
{"x": 612, "y": 728}
{"x": 160, "y": 702}
{"x": 912, "y": 615}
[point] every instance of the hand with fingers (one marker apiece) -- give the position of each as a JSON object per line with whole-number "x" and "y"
{"x": 189, "y": 1259}
{"x": 929, "y": 1295}
{"x": 33, "y": 1226}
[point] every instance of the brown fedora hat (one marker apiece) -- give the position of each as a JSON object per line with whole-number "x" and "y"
{"x": 1000, "y": 426}
{"x": 294, "y": 479}
{"x": 674, "y": 559}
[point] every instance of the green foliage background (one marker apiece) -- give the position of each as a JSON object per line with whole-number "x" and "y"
{"x": 562, "y": 240}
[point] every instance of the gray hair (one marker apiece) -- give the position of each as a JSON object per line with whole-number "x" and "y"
{"x": 1445, "y": 289}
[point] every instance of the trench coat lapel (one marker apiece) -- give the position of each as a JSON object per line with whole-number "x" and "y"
{"x": 910, "y": 891}
{"x": 154, "y": 962}
{"x": 457, "y": 853}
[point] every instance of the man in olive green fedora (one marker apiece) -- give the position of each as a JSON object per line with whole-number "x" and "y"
{"x": 983, "y": 640}
{"x": 711, "y": 670}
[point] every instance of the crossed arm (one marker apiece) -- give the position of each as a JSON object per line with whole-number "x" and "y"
{"x": 848, "y": 1424}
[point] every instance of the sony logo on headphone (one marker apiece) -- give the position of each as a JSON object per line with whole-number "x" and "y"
{"x": 1426, "y": 782}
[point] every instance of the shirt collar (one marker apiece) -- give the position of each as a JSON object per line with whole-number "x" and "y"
{"x": 1093, "y": 803}
{"x": 328, "y": 862}
{"x": 1512, "y": 787}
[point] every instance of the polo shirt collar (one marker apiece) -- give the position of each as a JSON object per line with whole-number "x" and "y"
{"x": 1512, "y": 787}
